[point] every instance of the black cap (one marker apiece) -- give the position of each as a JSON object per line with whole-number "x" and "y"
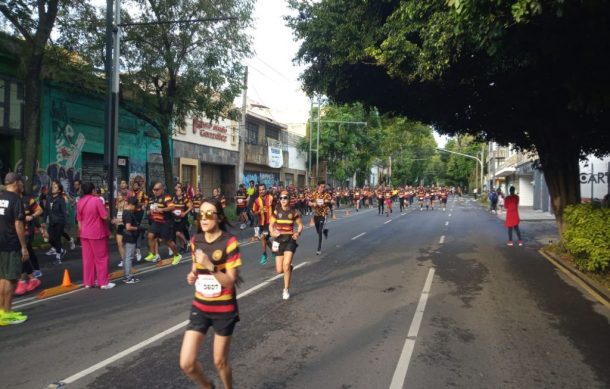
{"x": 13, "y": 177}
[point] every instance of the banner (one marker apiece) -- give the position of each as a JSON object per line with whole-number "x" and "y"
{"x": 276, "y": 158}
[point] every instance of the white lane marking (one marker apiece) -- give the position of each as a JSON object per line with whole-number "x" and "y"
{"x": 442, "y": 240}
{"x": 447, "y": 223}
{"x": 160, "y": 335}
{"x": 400, "y": 374}
{"x": 449, "y": 215}
{"x": 388, "y": 221}
{"x": 402, "y": 214}
{"x": 358, "y": 236}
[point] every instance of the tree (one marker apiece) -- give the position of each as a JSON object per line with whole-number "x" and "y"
{"x": 192, "y": 67}
{"x": 32, "y": 21}
{"x": 525, "y": 72}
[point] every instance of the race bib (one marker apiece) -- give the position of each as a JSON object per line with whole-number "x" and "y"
{"x": 275, "y": 247}
{"x": 208, "y": 285}
{"x": 320, "y": 202}
{"x": 177, "y": 212}
{"x": 240, "y": 201}
{"x": 119, "y": 215}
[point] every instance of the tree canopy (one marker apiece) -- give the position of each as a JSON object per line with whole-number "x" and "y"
{"x": 525, "y": 72}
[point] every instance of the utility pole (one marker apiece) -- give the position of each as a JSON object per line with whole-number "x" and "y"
{"x": 112, "y": 101}
{"x": 242, "y": 132}
{"x": 318, "y": 142}
{"x": 308, "y": 173}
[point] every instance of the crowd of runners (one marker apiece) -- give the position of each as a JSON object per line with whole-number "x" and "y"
{"x": 189, "y": 223}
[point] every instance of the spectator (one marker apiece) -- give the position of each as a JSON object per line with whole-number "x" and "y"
{"x": 57, "y": 212}
{"x": 92, "y": 216}
{"x": 493, "y": 200}
{"x": 130, "y": 237}
{"x": 13, "y": 247}
{"x": 511, "y": 203}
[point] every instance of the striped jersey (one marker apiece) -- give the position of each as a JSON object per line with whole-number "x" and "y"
{"x": 224, "y": 253}
{"x": 161, "y": 202}
{"x": 321, "y": 203}
{"x": 284, "y": 219}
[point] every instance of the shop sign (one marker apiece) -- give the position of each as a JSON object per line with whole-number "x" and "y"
{"x": 276, "y": 159}
{"x": 209, "y": 130}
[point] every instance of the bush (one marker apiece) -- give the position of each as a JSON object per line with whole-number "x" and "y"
{"x": 587, "y": 236}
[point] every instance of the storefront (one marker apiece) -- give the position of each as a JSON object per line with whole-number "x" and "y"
{"x": 206, "y": 155}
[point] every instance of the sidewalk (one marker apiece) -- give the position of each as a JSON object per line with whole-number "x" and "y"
{"x": 529, "y": 214}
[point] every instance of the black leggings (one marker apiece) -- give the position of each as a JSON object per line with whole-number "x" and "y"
{"x": 56, "y": 231}
{"x": 510, "y": 232}
{"x": 380, "y": 206}
{"x": 319, "y": 222}
{"x": 30, "y": 265}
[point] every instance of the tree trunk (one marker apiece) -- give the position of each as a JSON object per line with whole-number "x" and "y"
{"x": 31, "y": 131}
{"x": 560, "y": 164}
{"x": 166, "y": 137}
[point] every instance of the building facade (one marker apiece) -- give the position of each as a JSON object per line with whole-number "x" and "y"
{"x": 206, "y": 154}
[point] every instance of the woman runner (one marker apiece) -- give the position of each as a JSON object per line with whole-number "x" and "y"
{"x": 281, "y": 228}
{"x": 214, "y": 273}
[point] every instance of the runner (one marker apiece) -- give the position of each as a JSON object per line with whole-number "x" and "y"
{"x": 263, "y": 207}
{"x": 130, "y": 237}
{"x": 29, "y": 269}
{"x": 214, "y": 273}
{"x": 388, "y": 202}
{"x": 182, "y": 207}
{"x": 121, "y": 202}
{"x": 142, "y": 203}
{"x": 241, "y": 209}
{"x": 281, "y": 228}
{"x": 160, "y": 227}
{"x": 320, "y": 202}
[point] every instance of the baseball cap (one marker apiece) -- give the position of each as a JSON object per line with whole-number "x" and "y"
{"x": 12, "y": 177}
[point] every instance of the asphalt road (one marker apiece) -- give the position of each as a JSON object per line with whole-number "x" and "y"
{"x": 421, "y": 300}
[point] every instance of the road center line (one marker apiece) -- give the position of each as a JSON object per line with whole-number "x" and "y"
{"x": 442, "y": 240}
{"x": 358, "y": 236}
{"x": 447, "y": 223}
{"x": 388, "y": 221}
{"x": 160, "y": 335}
{"x": 400, "y": 374}
{"x": 449, "y": 215}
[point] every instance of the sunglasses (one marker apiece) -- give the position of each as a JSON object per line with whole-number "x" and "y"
{"x": 283, "y": 197}
{"x": 207, "y": 215}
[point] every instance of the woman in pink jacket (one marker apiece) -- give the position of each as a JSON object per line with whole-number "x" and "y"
{"x": 92, "y": 218}
{"x": 511, "y": 204}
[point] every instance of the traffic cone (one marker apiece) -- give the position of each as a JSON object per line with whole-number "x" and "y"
{"x": 66, "y": 282}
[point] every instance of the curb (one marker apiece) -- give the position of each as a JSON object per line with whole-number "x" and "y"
{"x": 594, "y": 288}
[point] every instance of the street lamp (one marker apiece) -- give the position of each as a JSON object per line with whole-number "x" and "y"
{"x": 480, "y": 161}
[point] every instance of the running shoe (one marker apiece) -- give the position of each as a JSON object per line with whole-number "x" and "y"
{"x": 120, "y": 264}
{"x": 37, "y": 273}
{"x": 325, "y": 232}
{"x": 33, "y": 284}
{"x": 264, "y": 259}
{"x": 318, "y": 252}
{"x": 131, "y": 280}
{"x": 51, "y": 252}
{"x": 62, "y": 253}
{"x": 57, "y": 261}
{"x": 242, "y": 226}
{"x": 510, "y": 243}
{"x": 138, "y": 255}
{"x": 176, "y": 260}
{"x": 285, "y": 294}
{"x": 12, "y": 317}
{"x": 21, "y": 288}
{"x": 109, "y": 285}
{"x": 72, "y": 244}
{"x": 151, "y": 257}
{"x": 520, "y": 243}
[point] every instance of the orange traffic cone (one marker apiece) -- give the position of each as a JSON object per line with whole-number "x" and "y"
{"x": 66, "y": 282}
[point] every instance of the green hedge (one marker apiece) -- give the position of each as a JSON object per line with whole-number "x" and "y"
{"x": 587, "y": 236}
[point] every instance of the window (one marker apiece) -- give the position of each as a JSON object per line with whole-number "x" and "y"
{"x": 272, "y": 133}
{"x": 11, "y": 107}
{"x": 251, "y": 133}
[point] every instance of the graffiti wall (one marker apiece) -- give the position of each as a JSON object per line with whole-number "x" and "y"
{"x": 269, "y": 179}
{"x": 73, "y": 126}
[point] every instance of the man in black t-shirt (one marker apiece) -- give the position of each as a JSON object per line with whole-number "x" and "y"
{"x": 13, "y": 248}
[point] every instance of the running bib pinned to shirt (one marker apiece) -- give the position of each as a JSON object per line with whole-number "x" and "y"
{"x": 275, "y": 247}
{"x": 208, "y": 285}
{"x": 320, "y": 202}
